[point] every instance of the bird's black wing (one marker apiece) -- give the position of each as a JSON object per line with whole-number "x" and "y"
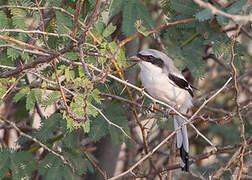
{"x": 181, "y": 83}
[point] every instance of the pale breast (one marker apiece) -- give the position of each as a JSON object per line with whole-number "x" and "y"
{"x": 160, "y": 87}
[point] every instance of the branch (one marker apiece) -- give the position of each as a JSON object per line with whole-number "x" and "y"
{"x": 40, "y": 143}
{"x": 33, "y": 64}
{"x": 95, "y": 165}
{"x": 238, "y": 108}
{"x": 20, "y": 43}
{"x": 76, "y": 17}
{"x": 38, "y": 32}
{"x": 44, "y": 8}
{"x": 214, "y": 10}
{"x": 185, "y": 21}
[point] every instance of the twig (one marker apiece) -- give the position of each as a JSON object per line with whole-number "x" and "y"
{"x": 198, "y": 175}
{"x": 43, "y": 25}
{"x": 60, "y": 86}
{"x": 207, "y": 95}
{"x": 33, "y": 64}
{"x": 111, "y": 123}
{"x": 197, "y": 158}
{"x": 35, "y": 52}
{"x": 38, "y": 32}
{"x": 95, "y": 165}
{"x": 185, "y": 21}
{"x": 12, "y": 86}
{"x": 145, "y": 157}
{"x": 84, "y": 64}
{"x": 22, "y": 43}
{"x": 44, "y": 8}
{"x": 214, "y": 10}
{"x": 63, "y": 96}
{"x": 40, "y": 143}
{"x": 76, "y": 17}
{"x": 216, "y": 59}
{"x": 238, "y": 109}
{"x": 223, "y": 169}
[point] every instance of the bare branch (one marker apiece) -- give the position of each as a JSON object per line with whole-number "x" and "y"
{"x": 38, "y": 32}
{"x": 214, "y": 10}
{"x": 238, "y": 109}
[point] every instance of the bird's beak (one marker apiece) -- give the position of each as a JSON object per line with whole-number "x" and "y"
{"x": 134, "y": 58}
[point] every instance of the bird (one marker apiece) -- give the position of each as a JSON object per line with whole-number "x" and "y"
{"x": 165, "y": 82}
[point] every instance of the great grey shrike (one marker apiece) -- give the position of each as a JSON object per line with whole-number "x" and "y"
{"x": 164, "y": 82}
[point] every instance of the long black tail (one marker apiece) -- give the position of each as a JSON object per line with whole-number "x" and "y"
{"x": 185, "y": 158}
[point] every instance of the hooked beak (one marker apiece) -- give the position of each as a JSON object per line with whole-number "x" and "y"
{"x": 134, "y": 59}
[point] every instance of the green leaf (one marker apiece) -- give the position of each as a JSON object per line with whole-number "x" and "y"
{"x": 37, "y": 94}
{"x": 133, "y": 11}
{"x": 95, "y": 95}
{"x": 120, "y": 56}
{"x": 48, "y": 128}
{"x": 20, "y": 163}
{"x": 21, "y": 94}
{"x": 67, "y": 74}
{"x": 86, "y": 126}
{"x": 30, "y": 100}
{"x": 52, "y": 167}
{"x": 190, "y": 56}
{"x": 115, "y": 113}
{"x": 185, "y": 7}
{"x": 3, "y": 90}
{"x": 56, "y": 3}
{"x": 99, "y": 26}
{"x": 109, "y": 30}
{"x": 51, "y": 98}
{"x": 4, "y": 21}
{"x": 204, "y": 15}
{"x": 72, "y": 56}
{"x": 18, "y": 18}
{"x": 236, "y": 7}
{"x": 98, "y": 128}
{"x": 140, "y": 28}
{"x": 91, "y": 110}
{"x": 76, "y": 106}
{"x": 116, "y": 7}
{"x": 64, "y": 23}
{"x": 12, "y": 54}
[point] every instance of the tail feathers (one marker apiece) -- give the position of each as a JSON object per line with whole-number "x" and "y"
{"x": 182, "y": 142}
{"x": 184, "y": 159}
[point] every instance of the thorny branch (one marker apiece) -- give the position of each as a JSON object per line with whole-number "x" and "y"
{"x": 238, "y": 108}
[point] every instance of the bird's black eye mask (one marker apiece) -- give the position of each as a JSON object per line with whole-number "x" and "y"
{"x": 149, "y": 58}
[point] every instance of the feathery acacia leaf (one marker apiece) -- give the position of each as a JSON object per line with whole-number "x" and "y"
{"x": 20, "y": 163}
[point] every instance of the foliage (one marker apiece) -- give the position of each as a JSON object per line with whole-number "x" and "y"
{"x": 20, "y": 163}
{"x": 132, "y": 11}
{"x": 82, "y": 113}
